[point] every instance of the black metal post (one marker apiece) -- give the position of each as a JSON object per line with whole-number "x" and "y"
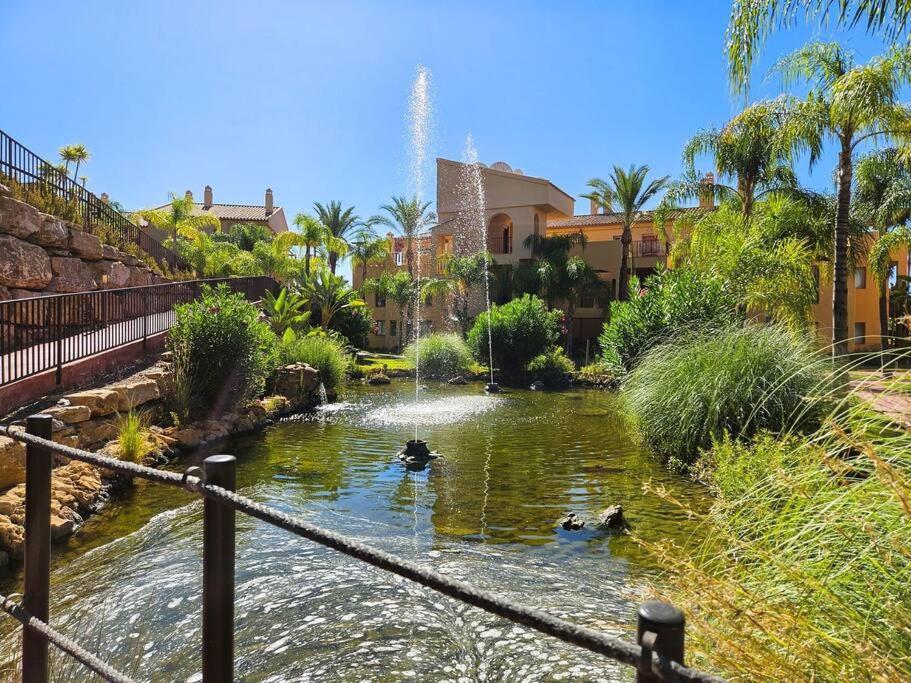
{"x": 661, "y": 630}
{"x": 58, "y": 324}
{"x": 145, "y": 317}
{"x": 36, "y": 591}
{"x": 218, "y": 575}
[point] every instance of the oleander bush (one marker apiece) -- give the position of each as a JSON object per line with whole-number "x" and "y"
{"x": 440, "y": 356}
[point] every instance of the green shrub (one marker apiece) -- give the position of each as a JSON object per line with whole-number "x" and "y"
{"x": 322, "y": 353}
{"x": 222, "y": 348}
{"x": 354, "y": 324}
{"x": 133, "y": 436}
{"x": 673, "y": 302}
{"x": 441, "y": 355}
{"x": 551, "y": 367}
{"x": 522, "y": 329}
{"x": 734, "y": 380}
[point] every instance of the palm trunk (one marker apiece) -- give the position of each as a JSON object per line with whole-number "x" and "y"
{"x": 409, "y": 258}
{"x": 884, "y": 339}
{"x": 625, "y": 240}
{"x": 333, "y": 259}
{"x": 307, "y": 259}
{"x": 842, "y": 227}
{"x": 76, "y": 172}
{"x": 363, "y": 273}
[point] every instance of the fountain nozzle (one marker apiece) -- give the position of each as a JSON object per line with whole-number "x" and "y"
{"x": 416, "y": 454}
{"x": 492, "y": 388}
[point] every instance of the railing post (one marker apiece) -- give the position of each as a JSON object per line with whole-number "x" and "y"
{"x": 218, "y": 575}
{"x": 58, "y": 324}
{"x": 36, "y": 591}
{"x": 145, "y": 317}
{"x": 660, "y": 629}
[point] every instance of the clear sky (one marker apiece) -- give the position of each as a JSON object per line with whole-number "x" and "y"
{"x": 310, "y": 98}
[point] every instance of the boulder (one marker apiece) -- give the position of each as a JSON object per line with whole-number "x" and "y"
{"x": 163, "y": 378}
{"x": 12, "y": 462}
{"x": 70, "y": 414}
{"x": 140, "y": 276}
{"x": 537, "y": 385}
{"x": 111, "y": 274}
{"x": 94, "y": 432}
{"x": 572, "y": 522}
{"x": 136, "y": 391}
{"x": 458, "y": 380}
{"x": 23, "y": 265}
{"x": 52, "y": 233}
{"x": 18, "y": 218}
{"x": 12, "y": 537}
{"x": 71, "y": 275}
{"x": 378, "y": 378}
{"x": 111, "y": 253}
{"x": 100, "y": 401}
{"x": 5, "y": 294}
{"x": 296, "y": 382}
{"x": 188, "y": 437}
{"x": 612, "y": 518}
{"x": 85, "y": 245}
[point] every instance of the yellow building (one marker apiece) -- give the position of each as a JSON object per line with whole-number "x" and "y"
{"x": 517, "y": 205}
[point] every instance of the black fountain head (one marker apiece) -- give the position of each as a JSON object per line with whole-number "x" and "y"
{"x": 417, "y": 448}
{"x": 492, "y": 388}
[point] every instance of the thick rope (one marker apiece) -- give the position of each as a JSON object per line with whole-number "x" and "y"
{"x": 73, "y": 649}
{"x": 581, "y": 636}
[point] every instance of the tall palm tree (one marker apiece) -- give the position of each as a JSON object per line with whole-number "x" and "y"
{"x": 851, "y": 104}
{"x": 408, "y": 217}
{"x": 67, "y": 155}
{"x": 340, "y": 223}
{"x": 462, "y": 274}
{"x": 752, "y": 21}
{"x": 398, "y": 287}
{"x": 80, "y": 154}
{"x": 581, "y": 280}
{"x": 551, "y": 255}
{"x": 331, "y": 293}
{"x": 367, "y": 247}
{"x": 180, "y": 219}
{"x": 312, "y": 234}
{"x": 625, "y": 192}
{"x": 883, "y": 199}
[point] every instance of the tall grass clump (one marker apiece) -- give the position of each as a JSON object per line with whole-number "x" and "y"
{"x": 806, "y": 571}
{"x": 736, "y": 380}
{"x": 322, "y": 353}
{"x": 133, "y": 436}
{"x": 441, "y": 356}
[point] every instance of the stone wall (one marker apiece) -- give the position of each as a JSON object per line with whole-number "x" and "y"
{"x": 42, "y": 254}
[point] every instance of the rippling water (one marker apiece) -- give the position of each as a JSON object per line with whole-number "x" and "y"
{"x": 484, "y": 512}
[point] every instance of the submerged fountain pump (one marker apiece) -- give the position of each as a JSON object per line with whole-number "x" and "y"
{"x": 492, "y": 388}
{"x": 416, "y": 454}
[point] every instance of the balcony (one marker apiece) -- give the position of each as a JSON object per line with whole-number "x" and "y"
{"x": 442, "y": 263}
{"x": 651, "y": 248}
{"x": 500, "y": 245}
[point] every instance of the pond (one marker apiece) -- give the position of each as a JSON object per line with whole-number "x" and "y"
{"x": 128, "y": 584}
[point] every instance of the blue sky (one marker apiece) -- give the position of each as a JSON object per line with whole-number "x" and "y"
{"x": 310, "y": 98}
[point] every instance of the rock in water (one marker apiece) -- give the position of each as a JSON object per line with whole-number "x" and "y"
{"x": 537, "y": 385}
{"x": 458, "y": 380}
{"x": 612, "y": 518}
{"x": 571, "y": 522}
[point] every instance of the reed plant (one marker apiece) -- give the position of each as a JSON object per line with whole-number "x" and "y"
{"x": 441, "y": 355}
{"x": 133, "y": 436}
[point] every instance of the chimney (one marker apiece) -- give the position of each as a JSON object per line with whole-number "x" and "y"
{"x": 105, "y": 198}
{"x": 707, "y": 197}
{"x": 189, "y": 195}
{"x": 207, "y": 197}
{"x": 592, "y": 206}
{"x": 269, "y": 205}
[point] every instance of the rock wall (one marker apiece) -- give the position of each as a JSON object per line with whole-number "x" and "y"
{"x": 42, "y": 254}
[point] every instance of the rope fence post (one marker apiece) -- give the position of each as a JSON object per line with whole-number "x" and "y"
{"x": 218, "y": 574}
{"x": 660, "y": 629}
{"x": 36, "y": 591}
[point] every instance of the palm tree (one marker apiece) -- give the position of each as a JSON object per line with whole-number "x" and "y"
{"x": 80, "y": 154}
{"x": 331, "y": 293}
{"x": 551, "y": 255}
{"x": 851, "y": 104}
{"x": 339, "y": 224}
{"x": 398, "y": 287}
{"x": 752, "y": 21}
{"x": 462, "y": 274}
{"x": 408, "y": 217}
{"x": 367, "y": 248}
{"x": 67, "y": 155}
{"x": 581, "y": 280}
{"x": 883, "y": 199}
{"x": 83, "y": 179}
{"x": 180, "y": 219}
{"x": 626, "y": 192}
{"x": 312, "y": 234}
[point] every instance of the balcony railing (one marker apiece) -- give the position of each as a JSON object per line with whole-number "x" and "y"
{"x": 651, "y": 248}
{"x": 442, "y": 264}
{"x": 500, "y": 245}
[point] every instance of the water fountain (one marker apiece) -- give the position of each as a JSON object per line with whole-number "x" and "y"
{"x": 472, "y": 186}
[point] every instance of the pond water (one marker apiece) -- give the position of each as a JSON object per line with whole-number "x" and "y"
{"x": 128, "y": 584}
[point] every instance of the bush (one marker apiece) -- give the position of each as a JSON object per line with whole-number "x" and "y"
{"x": 441, "y": 355}
{"x": 322, "y": 353}
{"x": 521, "y": 329}
{"x": 551, "y": 367}
{"x": 222, "y": 348}
{"x": 674, "y": 302}
{"x": 736, "y": 381}
{"x": 354, "y": 324}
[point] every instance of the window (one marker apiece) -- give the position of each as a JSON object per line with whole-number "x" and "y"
{"x": 893, "y": 273}
{"x": 860, "y": 278}
{"x": 380, "y": 328}
{"x": 399, "y": 257}
{"x": 586, "y": 300}
{"x": 816, "y": 283}
{"x": 537, "y": 225}
{"x": 380, "y": 300}
{"x": 860, "y": 333}
{"x": 394, "y": 328}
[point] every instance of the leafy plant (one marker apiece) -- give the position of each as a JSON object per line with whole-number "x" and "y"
{"x": 551, "y": 367}
{"x": 320, "y": 352}
{"x": 408, "y": 217}
{"x": 354, "y": 324}
{"x": 133, "y": 439}
{"x": 331, "y": 293}
{"x": 287, "y": 310}
{"x": 441, "y": 356}
{"x": 223, "y": 347}
{"x": 521, "y": 329}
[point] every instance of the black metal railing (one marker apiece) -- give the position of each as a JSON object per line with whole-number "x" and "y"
{"x": 46, "y": 332}
{"x": 657, "y": 656}
{"x": 61, "y": 195}
{"x": 500, "y": 245}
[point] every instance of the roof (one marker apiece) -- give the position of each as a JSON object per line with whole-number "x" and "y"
{"x": 595, "y": 219}
{"x": 232, "y": 212}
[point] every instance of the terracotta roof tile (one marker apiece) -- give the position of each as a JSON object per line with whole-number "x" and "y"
{"x": 593, "y": 219}
{"x": 233, "y": 212}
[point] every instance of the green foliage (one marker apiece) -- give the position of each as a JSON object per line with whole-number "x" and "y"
{"x": 322, "y": 353}
{"x": 331, "y": 293}
{"x": 551, "y": 367}
{"x": 287, "y": 310}
{"x": 521, "y": 329}
{"x": 354, "y": 324}
{"x": 441, "y": 355}
{"x": 246, "y": 236}
{"x": 223, "y": 347}
{"x": 674, "y": 302}
{"x": 732, "y": 381}
{"x": 133, "y": 439}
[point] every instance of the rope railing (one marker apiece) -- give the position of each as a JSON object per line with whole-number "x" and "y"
{"x": 657, "y": 657}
